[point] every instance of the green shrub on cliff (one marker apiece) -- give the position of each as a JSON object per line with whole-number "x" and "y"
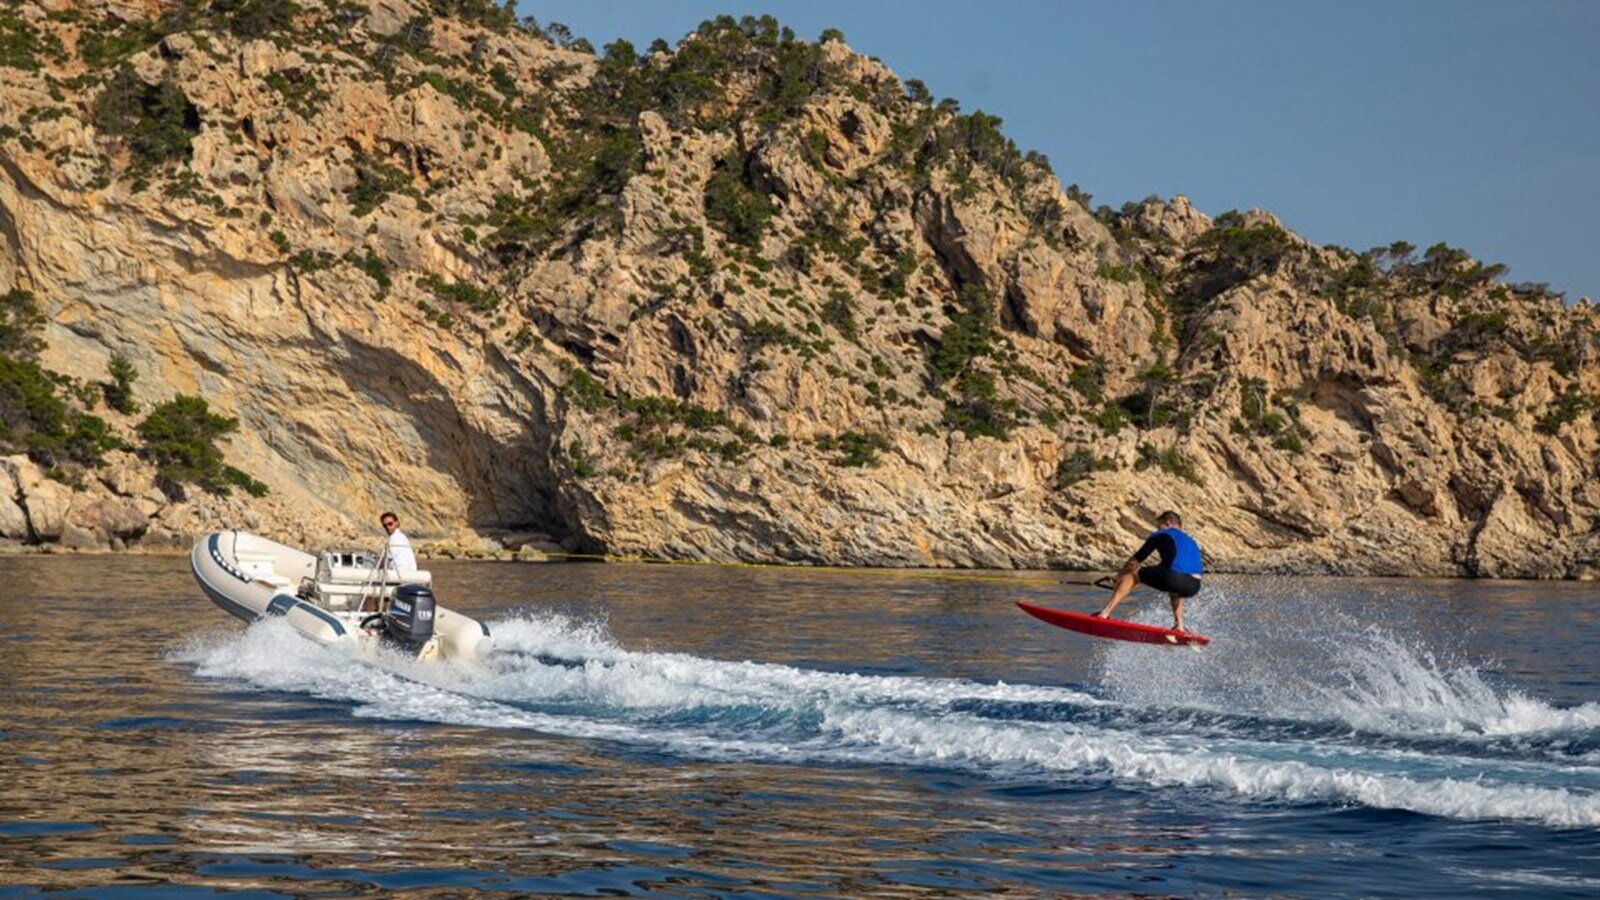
{"x": 969, "y": 335}
{"x": 1110, "y": 418}
{"x": 156, "y": 120}
{"x": 1359, "y": 290}
{"x": 1445, "y": 270}
{"x": 300, "y": 90}
{"x": 856, "y": 448}
{"x": 691, "y": 85}
{"x": 978, "y": 409}
{"x": 582, "y": 467}
{"x": 39, "y": 410}
{"x": 1168, "y": 459}
{"x": 738, "y": 209}
{"x": 119, "y": 390}
{"x": 764, "y": 333}
{"x": 21, "y": 44}
{"x": 1089, "y": 381}
{"x": 477, "y": 299}
{"x": 659, "y": 427}
{"x": 839, "y": 311}
{"x": 1242, "y": 250}
{"x": 585, "y": 391}
{"x": 20, "y": 321}
{"x": 1566, "y": 408}
{"x": 102, "y": 43}
{"x": 1145, "y": 406}
{"x": 1080, "y": 464}
{"x": 375, "y": 181}
{"x": 1117, "y": 273}
{"x": 36, "y": 418}
{"x": 180, "y": 436}
{"x": 250, "y": 19}
{"x": 590, "y": 165}
{"x": 593, "y": 138}
{"x": 377, "y": 270}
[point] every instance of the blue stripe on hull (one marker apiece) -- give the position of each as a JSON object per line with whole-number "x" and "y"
{"x": 228, "y": 604}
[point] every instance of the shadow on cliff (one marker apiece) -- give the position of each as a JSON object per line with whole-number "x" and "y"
{"x": 497, "y": 451}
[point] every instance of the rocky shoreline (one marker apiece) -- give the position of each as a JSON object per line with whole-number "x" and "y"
{"x": 469, "y": 552}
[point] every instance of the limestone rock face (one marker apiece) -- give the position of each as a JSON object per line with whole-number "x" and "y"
{"x": 1176, "y": 222}
{"x": 743, "y": 300}
{"x": 44, "y": 503}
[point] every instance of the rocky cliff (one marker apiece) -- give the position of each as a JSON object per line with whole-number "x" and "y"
{"x": 747, "y": 297}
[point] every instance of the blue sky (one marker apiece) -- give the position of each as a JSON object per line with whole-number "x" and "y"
{"x": 1357, "y": 123}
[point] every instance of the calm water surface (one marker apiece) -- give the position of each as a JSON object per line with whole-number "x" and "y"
{"x": 751, "y": 732}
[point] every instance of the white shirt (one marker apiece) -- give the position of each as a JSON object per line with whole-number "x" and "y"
{"x": 401, "y": 558}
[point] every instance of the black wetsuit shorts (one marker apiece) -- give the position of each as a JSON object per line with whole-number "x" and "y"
{"x": 1167, "y": 581}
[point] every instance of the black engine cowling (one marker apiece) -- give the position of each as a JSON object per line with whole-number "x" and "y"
{"x": 409, "y": 619}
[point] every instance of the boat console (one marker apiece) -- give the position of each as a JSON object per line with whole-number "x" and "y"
{"x": 346, "y": 580}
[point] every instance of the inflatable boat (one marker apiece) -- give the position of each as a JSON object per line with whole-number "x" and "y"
{"x": 334, "y": 597}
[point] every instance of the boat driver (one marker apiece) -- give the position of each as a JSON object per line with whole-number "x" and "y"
{"x": 398, "y": 552}
{"x": 1178, "y": 575}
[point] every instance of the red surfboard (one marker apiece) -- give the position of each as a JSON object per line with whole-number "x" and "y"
{"x": 1116, "y": 629}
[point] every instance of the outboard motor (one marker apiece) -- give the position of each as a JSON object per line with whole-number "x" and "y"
{"x": 409, "y": 619}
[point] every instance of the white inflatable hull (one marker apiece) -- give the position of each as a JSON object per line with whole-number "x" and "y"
{"x": 252, "y": 577}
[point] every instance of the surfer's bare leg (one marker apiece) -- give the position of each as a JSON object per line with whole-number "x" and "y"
{"x": 1126, "y": 579}
{"x": 1177, "y": 612}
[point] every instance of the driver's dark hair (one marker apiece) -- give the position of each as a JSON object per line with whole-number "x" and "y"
{"x": 1169, "y": 517}
{"x": 388, "y": 515}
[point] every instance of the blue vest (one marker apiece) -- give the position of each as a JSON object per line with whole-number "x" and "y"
{"x": 1186, "y": 553}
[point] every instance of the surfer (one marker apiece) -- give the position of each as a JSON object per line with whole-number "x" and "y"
{"x": 1178, "y": 575}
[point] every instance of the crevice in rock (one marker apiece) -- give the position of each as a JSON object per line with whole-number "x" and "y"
{"x": 1074, "y": 343}
{"x": 582, "y": 351}
{"x": 1013, "y": 313}
{"x": 682, "y": 340}
{"x": 1468, "y": 557}
{"x": 20, "y": 497}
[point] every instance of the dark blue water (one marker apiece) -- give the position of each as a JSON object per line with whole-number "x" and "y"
{"x": 751, "y": 732}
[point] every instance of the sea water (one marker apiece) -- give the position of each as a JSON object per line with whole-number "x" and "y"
{"x": 753, "y": 732}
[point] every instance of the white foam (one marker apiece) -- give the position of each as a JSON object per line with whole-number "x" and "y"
{"x": 623, "y": 678}
{"x": 1529, "y": 878}
{"x": 1392, "y": 687}
{"x": 1265, "y": 660}
{"x": 673, "y": 701}
{"x": 1129, "y": 758}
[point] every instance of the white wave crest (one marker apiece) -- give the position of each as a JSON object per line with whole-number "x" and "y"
{"x": 567, "y": 678}
{"x": 1130, "y": 759}
{"x": 1277, "y": 656}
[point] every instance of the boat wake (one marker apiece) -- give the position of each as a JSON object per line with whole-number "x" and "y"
{"x": 1360, "y": 722}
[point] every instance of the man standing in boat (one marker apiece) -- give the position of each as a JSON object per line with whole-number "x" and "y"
{"x": 1178, "y": 575}
{"x": 398, "y": 552}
